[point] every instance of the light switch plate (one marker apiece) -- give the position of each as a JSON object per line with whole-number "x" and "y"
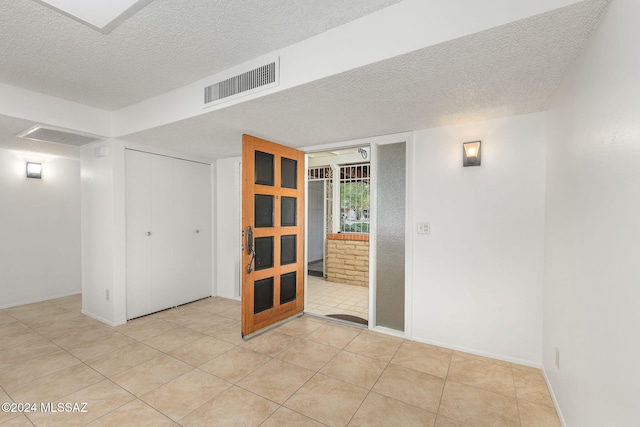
{"x": 424, "y": 228}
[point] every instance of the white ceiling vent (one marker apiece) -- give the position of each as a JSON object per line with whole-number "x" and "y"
{"x": 260, "y": 78}
{"x": 59, "y": 136}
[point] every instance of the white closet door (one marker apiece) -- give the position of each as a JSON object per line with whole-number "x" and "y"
{"x": 202, "y": 223}
{"x": 162, "y": 233}
{"x": 138, "y": 223}
{"x": 193, "y": 232}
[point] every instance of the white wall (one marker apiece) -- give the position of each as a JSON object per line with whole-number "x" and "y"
{"x": 40, "y": 229}
{"x": 592, "y": 286}
{"x": 477, "y": 278}
{"x": 228, "y": 224}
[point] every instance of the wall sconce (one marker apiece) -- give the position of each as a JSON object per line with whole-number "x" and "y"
{"x": 471, "y": 154}
{"x": 34, "y": 170}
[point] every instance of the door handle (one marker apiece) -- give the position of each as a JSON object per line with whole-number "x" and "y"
{"x": 148, "y": 233}
{"x": 250, "y": 250}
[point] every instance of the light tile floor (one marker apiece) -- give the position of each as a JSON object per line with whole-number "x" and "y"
{"x": 189, "y": 367}
{"x": 325, "y": 297}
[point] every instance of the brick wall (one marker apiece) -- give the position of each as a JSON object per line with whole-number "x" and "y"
{"x": 348, "y": 259}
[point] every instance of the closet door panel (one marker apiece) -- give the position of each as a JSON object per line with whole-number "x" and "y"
{"x": 184, "y": 230}
{"x": 202, "y": 223}
{"x": 162, "y": 223}
{"x": 138, "y": 225}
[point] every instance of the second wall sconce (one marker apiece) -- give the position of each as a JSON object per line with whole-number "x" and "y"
{"x": 34, "y": 170}
{"x": 471, "y": 153}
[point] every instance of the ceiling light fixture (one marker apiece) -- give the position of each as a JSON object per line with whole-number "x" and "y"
{"x": 471, "y": 153}
{"x": 101, "y": 15}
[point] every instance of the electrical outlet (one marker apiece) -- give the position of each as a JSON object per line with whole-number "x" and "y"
{"x": 557, "y": 358}
{"x": 107, "y": 294}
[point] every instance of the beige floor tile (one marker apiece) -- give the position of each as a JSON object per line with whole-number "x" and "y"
{"x": 481, "y": 374}
{"x": 202, "y": 350}
{"x": 532, "y": 415}
{"x": 477, "y": 407}
{"x": 374, "y": 345}
{"x": 334, "y": 336}
{"x": 56, "y": 385}
{"x": 72, "y": 335}
{"x": 482, "y": 358}
{"x": 36, "y": 347}
{"x": 271, "y": 343}
{"x": 412, "y": 387}
{"x": 144, "y": 330}
{"x": 151, "y": 375}
{"x": 173, "y": 339}
{"x": 231, "y": 334}
{"x": 378, "y": 410}
{"x": 235, "y": 364}
{"x": 443, "y": 421}
{"x": 355, "y": 369}
{"x": 211, "y": 324}
{"x": 286, "y": 417}
{"x": 136, "y": 413}
{"x": 178, "y": 398}
{"x": 100, "y": 398}
{"x": 17, "y": 421}
{"x": 99, "y": 346}
{"x": 276, "y": 380}
{"x": 327, "y": 400}
{"x": 6, "y": 416}
{"x": 424, "y": 358}
{"x": 123, "y": 359}
{"x": 300, "y": 327}
{"x": 309, "y": 354}
{"x": 234, "y": 407}
{"x": 531, "y": 386}
{"x": 13, "y": 375}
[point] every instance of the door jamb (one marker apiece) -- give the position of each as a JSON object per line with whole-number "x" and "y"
{"x": 374, "y": 142}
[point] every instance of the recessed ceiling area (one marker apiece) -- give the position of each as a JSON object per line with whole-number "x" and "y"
{"x": 101, "y": 15}
{"x": 507, "y": 70}
{"x": 166, "y": 45}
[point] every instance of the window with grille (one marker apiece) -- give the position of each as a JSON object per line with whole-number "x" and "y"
{"x": 354, "y": 198}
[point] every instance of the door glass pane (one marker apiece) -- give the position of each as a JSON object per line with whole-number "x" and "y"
{"x": 288, "y": 215}
{"x": 288, "y": 249}
{"x": 289, "y": 173}
{"x": 262, "y": 295}
{"x": 287, "y": 287}
{"x": 391, "y": 234}
{"x": 263, "y": 210}
{"x": 264, "y": 252}
{"x": 264, "y": 168}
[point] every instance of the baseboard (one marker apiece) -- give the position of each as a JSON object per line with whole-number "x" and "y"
{"x": 103, "y": 320}
{"x": 553, "y": 398}
{"x": 33, "y": 301}
{"x": 388, "y": 331}
{"x": 509, "y": 359}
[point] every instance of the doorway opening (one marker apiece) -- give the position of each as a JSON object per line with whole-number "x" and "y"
{"x": 338, "y": 213}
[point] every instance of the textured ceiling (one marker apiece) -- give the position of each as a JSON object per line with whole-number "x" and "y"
{"x": 166, "y": 45}
{"x": 508, "y": 70}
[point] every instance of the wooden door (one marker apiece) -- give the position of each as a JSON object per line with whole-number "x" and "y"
{"x": 272, "y": 223}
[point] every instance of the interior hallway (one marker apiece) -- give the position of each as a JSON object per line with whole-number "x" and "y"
{"x": 188, "y": 366}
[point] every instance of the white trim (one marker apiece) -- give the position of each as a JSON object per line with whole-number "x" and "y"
{"x": 33, "y": 301}
{"x": 373, "y": 233}
{"x": 515, "y": 360}
{"x": 387, "y": 331}
{"x": 103, "y": 320}
{"x": 553, "y": 397}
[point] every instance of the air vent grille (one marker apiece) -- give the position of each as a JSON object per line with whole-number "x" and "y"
{"x": 256, "y": 78}
{"x": 41, "y": 133}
